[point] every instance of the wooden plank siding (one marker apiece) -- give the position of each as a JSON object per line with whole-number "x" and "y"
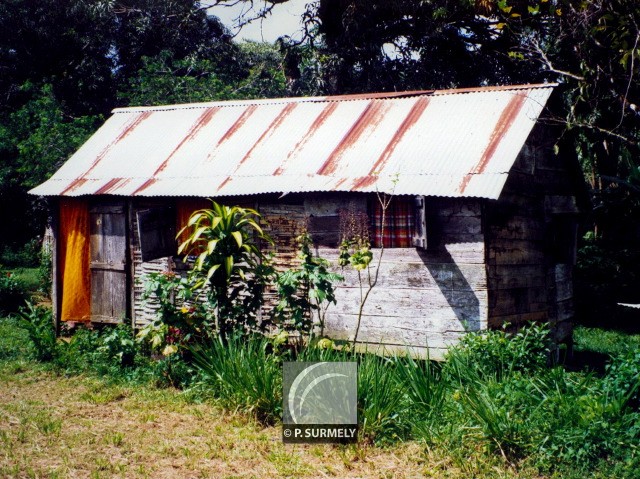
{"x": 526, "y": 282}
{"x": 424, "y": 299}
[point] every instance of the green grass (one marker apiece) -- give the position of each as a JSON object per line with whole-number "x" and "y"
{"x": 604, "y": 341}
{"x": 495, "y": 409}
{"x": 14, "y": 341}
{"x": 29, "y": 277}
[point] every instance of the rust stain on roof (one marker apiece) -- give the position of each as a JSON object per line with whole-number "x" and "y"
{"x": 364, "y": 181}
{"x": 270, "y": 129}
{"x": 74, "y": 185}
{"x": 126, "y": 131}
{"x": 111, "y": 184}
{"x": 339, "y": 183}
{"x": 414, "y": 115}
{"x": 226, "y": 180}
{"x": 326, "y": 112}
{"x": 144, "y": 186}
{"x": 371, "y": 116}
{"x": 202, "y": 121}
{"x": 238, "y": 124}
{"x": 505, "y": 121}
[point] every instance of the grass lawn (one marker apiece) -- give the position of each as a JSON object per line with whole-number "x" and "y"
{"x": 55, "y": 426}
{"x": 608, "y": 342}
{"x": 29, "y": 277}
{"x": 75, "y": 426}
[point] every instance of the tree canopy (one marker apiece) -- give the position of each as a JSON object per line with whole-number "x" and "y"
{"x": 66, "y": 63}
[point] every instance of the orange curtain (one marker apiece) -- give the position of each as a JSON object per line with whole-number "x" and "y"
{"x": 184, "y": 208}
{"x": 74, "y": 255}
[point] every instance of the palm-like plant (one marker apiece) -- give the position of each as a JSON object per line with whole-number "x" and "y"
{"x": 228, "y": 259}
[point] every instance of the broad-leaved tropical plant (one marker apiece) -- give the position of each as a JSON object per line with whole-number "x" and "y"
{"x": 224, "y": 241}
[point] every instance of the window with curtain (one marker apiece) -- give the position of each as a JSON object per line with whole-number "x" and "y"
{"x": 398, "y": 230}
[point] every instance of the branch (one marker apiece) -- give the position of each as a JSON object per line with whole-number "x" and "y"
{"x": 591, "y": 127}
{"x": 545, "y": 59}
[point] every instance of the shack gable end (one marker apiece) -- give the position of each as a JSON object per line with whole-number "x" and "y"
{"x": 531, "y": 239}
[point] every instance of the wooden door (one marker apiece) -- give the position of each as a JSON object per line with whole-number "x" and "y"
{"x": 108, "y": 263}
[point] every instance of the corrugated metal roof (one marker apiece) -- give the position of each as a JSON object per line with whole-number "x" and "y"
{"x": 435, "y": 143}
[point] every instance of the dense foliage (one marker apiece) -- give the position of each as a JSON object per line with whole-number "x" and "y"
{"x": 65, "y": 65}
{"x": 510, "y": 410}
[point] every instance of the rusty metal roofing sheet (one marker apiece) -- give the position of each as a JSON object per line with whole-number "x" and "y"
{"x": 436, "y": 143}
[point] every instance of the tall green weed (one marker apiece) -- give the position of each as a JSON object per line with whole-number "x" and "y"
{"x": 38, "y": 322}
{"x": 243, "y": 374}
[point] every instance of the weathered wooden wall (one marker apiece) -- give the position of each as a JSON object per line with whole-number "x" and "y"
{"x": 487, "y": 262}
{"x": 424, "y": 299}
{"x": 528, "y": 280}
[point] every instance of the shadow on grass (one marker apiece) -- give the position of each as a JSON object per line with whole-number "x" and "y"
{"x": 585, "y": 360}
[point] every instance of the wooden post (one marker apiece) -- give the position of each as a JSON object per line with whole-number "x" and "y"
{"x": 56, "y": 273}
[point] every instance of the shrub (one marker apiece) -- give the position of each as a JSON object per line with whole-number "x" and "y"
{"x": 497, "y": 353}
{"x": 80, "y": 353}
{"x": 181, "y": 317}
{"x": 622, "y": 380}
{"x": 575, "y": 423}
{"x": 306, "y": 289}
{"x": 25, "y": 256}
{"x": 38, "y": 321}
{"x": 173, "y": 371}
{"x": 45, "y": 272}
{"x": 119, "y": 346}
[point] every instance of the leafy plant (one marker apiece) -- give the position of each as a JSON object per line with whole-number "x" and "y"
{"x": 381, "y": 406}
{"x": 243, "y": 373}
{"x": 622, "y": 380}
{"x": 181, "y": 315}
{"x": 45, "y": 271}
{"x": 81, "y": 352}
{"x": 306, "y": 289}
{"x": 497, "y": 353}
{"x": 38, "y": 321}
{"x": 228, "y": 261}
{"x": 425, "y": 392}
{"x": 119, "y": 345}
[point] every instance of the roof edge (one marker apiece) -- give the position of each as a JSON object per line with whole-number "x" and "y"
{"x": 348, "y": 97}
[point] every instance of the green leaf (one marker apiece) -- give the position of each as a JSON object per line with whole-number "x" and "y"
{"x": 228, "y": 265}
{"x": 211, "y": 246}
{"x": 212, "y": 271}
{"x": 238, "y": 237}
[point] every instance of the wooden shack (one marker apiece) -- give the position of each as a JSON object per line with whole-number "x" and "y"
{"x": 481, "y": 230}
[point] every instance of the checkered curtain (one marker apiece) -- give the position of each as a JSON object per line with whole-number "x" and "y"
{"x": 398, "y": 230}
